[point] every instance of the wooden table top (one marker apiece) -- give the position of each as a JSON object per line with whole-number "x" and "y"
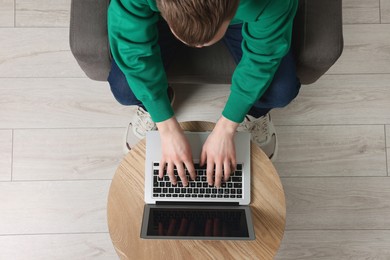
{"x": 126, "y": 204}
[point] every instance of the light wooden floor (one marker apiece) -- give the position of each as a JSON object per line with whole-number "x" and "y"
{"x": 61, "y": 134}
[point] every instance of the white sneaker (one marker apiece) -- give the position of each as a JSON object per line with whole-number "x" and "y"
{"x": 140, "y": 124}
{"x": 263, "y": 133}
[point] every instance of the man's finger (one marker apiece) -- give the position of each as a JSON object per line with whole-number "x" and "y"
{"x": 227, "y": 168}
{"x": 218, "y": 175}
{"x": 161, "y": 169}
{"x": 170, "y": 172}
{"x": 182, "y": 173}
{"x": 191, "y": 169}
{"x": 210, "y": 172}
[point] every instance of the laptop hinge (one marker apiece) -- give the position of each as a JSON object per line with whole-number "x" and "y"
{"x": 188, "y": 203}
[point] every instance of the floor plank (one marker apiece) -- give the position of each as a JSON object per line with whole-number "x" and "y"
{"x": 37, "y": 52}
{"x": 337, "y": 203}
{"x": 388, "y": 148}
{"x": 59, "y": 103}
{"x": 331, "y": 151}
{"x": 361, "y": 11}
{"x": 66, "y": 154}
{"x": 53, "y": 207}
{"x": 42, "y": 13}
{"x": 340, "y": 99}
{"x": 57, "y": 246}
{"x": 385, "y": 11}
{"x": 5, "y": 155}
{"x": 366, "y": 50}
{"x": 7, "y": 13}
{"x": 343, "y": 244}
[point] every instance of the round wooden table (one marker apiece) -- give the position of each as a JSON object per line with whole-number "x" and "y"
{"x": 126, "y": 205}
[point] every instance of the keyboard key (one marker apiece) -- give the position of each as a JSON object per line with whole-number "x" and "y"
{"x": 237, "y": 185}
{"x": 156, "y": 190}
{"x": 155, "y": 195}
{"x": 236, "y": 179}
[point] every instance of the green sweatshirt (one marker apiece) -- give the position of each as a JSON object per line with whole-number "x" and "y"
{"x": 133, "y": 34}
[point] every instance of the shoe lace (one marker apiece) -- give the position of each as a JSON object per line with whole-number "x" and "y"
{"x": 143, "y": 123}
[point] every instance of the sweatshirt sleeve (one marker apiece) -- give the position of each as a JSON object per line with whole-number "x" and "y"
{"x": 265, "y": 42}
{"x": 133, "y": 37}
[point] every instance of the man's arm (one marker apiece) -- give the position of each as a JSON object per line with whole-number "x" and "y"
{"x": 133, "y": 36}
{"x": 265, "y": 42}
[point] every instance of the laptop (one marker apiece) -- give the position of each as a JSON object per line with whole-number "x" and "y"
{"x": 198, "y": 211}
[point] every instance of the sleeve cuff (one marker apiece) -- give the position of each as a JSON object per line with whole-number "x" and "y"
{"x": 236, "y": 108}
{"x": 159, "y": 109}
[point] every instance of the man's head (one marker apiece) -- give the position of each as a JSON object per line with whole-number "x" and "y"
{"x": 198, "y": 23}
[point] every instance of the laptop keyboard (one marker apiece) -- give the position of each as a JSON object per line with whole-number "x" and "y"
{"x": 198, "y": 188}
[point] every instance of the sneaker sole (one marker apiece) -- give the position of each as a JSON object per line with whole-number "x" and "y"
{"x": 274, "y": 155}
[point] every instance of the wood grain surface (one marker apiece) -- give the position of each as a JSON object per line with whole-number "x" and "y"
{"x": 126, "y": 204}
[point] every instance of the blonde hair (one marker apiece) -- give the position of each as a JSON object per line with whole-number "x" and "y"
{"x": 196, "y": 22}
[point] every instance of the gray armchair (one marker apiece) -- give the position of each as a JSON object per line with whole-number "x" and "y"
{"x": 317, "y": 44}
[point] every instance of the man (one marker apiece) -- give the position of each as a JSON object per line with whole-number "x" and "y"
{"x": 144, "y": 35}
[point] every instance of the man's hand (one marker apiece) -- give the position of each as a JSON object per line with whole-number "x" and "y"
{"x": 219, "y": 151}
{"x": 176, "y": 151}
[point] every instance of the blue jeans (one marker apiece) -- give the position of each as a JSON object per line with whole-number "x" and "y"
{"x": 283, "y": 89}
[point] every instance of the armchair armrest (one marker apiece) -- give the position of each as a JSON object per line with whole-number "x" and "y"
{"x": 318, "y": 37}
{"x": 88, "y": 37}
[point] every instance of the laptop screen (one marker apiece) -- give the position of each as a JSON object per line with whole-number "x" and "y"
{"x": 196, "y": 222}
